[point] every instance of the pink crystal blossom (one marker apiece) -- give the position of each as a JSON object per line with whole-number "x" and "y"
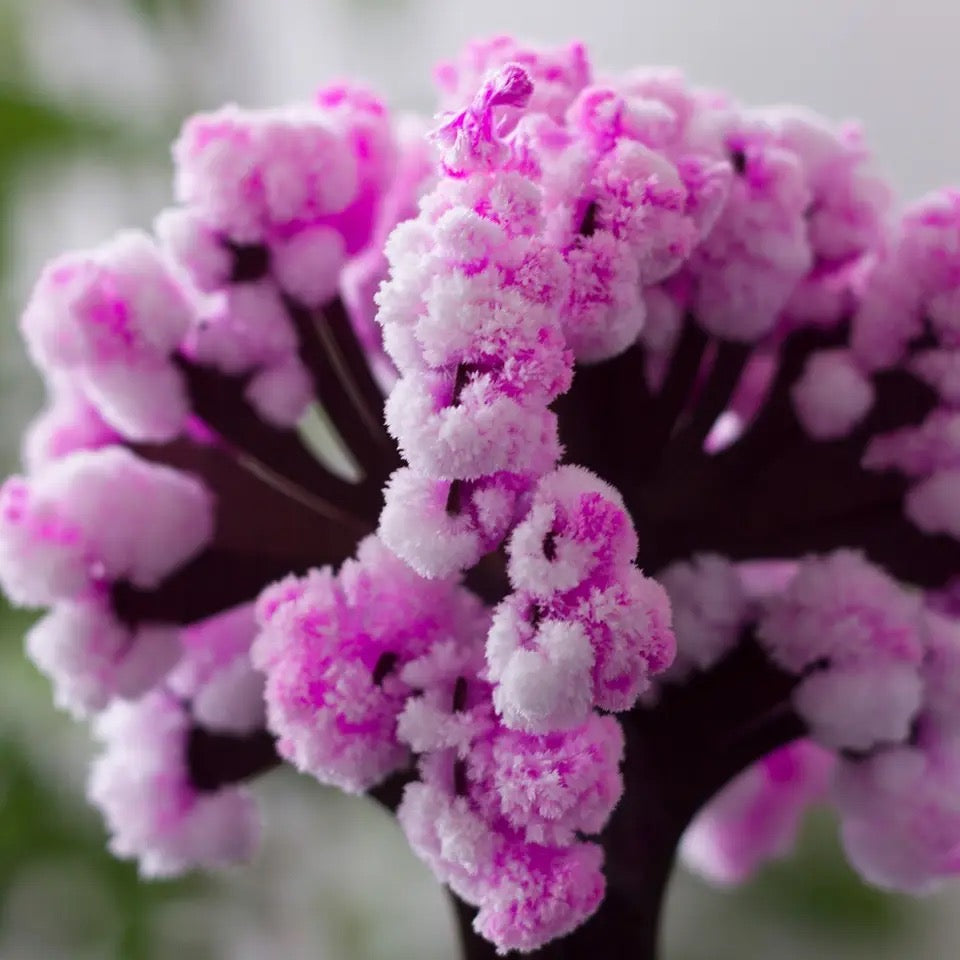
{"x": 333, "y": 648}
{"x": 756, "y": 817}
{"x": 576, "y": 474}
{"x": 858, "y": 638}
{"x": 274, "y": 203}
{"x": 497, "y": 812}
{"x": 900, "y": 822}
{"x": 584, "y": 627}
{"x": 216, "y": 674}
{"x": 709, "y": 607}
{"x": 143, "y": 780}
{"x": 69, "y": 422}
{"x": 111, "y": 320}
{"x": 153, "y": 812}
{"x": 80, "y": 523}
{"x": 833, "y": 395}
{"x": 558, "y": 74}
{"x": 756, "y": 254}
{"x": 92, "y": 658}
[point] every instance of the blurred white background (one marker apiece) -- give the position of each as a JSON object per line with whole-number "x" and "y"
{"x": 335, "y": 880}
{"x": 893, "y": 63}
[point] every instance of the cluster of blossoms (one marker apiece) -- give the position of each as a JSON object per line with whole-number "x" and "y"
{"x": 674, "y": 548}
{"x": 370, "y": 666}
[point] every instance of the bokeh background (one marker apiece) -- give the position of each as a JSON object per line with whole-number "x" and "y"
{"x": 91, "y": 94}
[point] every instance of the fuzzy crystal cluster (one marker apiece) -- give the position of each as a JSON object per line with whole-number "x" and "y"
{"x": 643, "y": 518}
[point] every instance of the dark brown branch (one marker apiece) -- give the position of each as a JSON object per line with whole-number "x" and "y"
{"x": 251, "y": 261}
{"x": 806, "y": 496}
{"x": 775, "y": 425}
{"x": 218, "y": 399}
{"x": 777, "y": 493}
{"x": 257, "y": 511}
{"x": 602, "y": 416}
{"x": 675, "y": 393}
{"x": 345, "y": 386}
{"x": 214, "y": 582}
{"x": 488, "y": 579}
{"x": 725, "y": 371}
{"x": 216, "y": 760}
{"x": 260, "y": 535}
{"x": 389, "y": 793}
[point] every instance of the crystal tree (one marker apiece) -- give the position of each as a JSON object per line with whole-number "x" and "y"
{"x": 634, "y": 531}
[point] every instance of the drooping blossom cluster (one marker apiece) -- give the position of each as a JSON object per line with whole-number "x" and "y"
{"x": 371, "y": 665}
{"x": 154, "y": 809}
{"x": 73, "y": 530}
{"x": 650, "y": 401}
{"x": 583, "y": 628}
{"x": 756, "y": 817}
{"x": 272, "y": 205}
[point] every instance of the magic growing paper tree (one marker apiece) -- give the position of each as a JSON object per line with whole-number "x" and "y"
{"x": 636, "y": 531}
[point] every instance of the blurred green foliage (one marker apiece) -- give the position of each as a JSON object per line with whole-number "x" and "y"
{"x": 46, "y": 831}
{"x": 158, "y": 10}
{"x": 35, "y": 128}
{"x": 816, "y": 887}
{"x": 811, "y": 900}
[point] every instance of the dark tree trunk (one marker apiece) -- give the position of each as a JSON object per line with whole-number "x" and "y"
{"x": 679, "y": 753}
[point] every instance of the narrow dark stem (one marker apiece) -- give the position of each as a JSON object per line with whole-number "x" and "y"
{"x": 218, "y": 399}
{"x": 775, "y": 426}
{"x": 345, "y": 386}
{"x": 725, "y": 371}
{"x": 261, "y": 533}
{"x": 364, "y": 387}
{"x": 674, "y": 395}
{"x": 216, "y": 760}
{"x": 259, "y": 512}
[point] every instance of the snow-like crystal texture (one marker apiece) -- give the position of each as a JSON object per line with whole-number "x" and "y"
{"x": 80, "y": 524}
{"x": 710, "y": 607}
{"x": 332, "y": 648}
{"x": 92, "y": 658}
{"x": 498, "y": 813}
{"x": 274, "y": 204}
{"x": 216, "y": 675}
{"x": 584, "y": 628}
{"x": 912, "y": 301}
{"x": 558, "y": 74}
{"x": 741, "y": 264}
{"x": 470, "y": 317}
{"x": 72, "y": 530}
